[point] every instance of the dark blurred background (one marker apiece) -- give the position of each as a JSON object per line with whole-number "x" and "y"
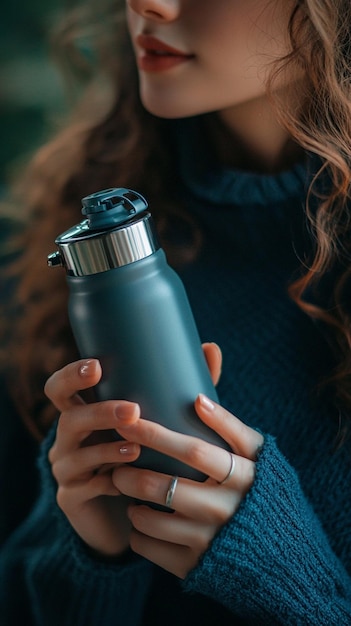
{"x": 31, "y": 94}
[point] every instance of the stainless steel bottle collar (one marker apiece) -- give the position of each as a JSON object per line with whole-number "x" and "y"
{"x": 83, "y": 252}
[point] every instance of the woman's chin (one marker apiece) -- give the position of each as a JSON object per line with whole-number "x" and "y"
{"x": 167, "y": 108}
{"x": 165, "y": 112}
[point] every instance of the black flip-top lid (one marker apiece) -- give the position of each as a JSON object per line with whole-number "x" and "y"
{"x": 111, "y": 207}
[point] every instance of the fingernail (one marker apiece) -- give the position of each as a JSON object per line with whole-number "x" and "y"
{"x": 128, "y": 449}
{"x": 206, "y": 403}
{"x": 126, "y": 411}
{"x": 88, "y": 368}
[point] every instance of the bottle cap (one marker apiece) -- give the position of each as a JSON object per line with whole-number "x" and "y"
{"x": 118, "y": 231}
{"x": 111, "y": 207}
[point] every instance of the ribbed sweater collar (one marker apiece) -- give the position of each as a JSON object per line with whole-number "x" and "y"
{"x": 213, "y": 184}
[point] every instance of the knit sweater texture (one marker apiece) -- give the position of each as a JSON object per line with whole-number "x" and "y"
{"x": 284, "y": 558}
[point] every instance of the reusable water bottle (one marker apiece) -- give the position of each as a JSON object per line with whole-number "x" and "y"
{"x": 129, "y": 309}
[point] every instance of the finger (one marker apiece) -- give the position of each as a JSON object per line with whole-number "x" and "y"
{"x": 62, "y": 387}
{"x": 199, "y": 454}
{"x": 77, "y": 423}
{"x": 245, "y": 441}
{"x": 175, "y": 528}
{"x": 205, "y": 457}
{"x": 85, "y": 461}
{"x": 175, "y": 559}
{"x": 73, "y": 496}
{"x": 213, "y": 356}
{"x": 206, "y": 502}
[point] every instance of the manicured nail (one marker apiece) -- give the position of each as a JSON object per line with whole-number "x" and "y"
{"x": 128, "y": 449}
{"x": 206, "y": 403}
{"x": 88, "y": 368}
{"x": 125, "y": 411}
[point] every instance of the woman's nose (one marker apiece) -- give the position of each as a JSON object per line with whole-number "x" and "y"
{"x": 159, "y": 10}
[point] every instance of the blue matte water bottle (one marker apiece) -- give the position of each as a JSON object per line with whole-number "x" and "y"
{"x": 129, "y": 309}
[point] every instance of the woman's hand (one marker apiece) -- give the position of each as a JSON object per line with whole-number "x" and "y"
{"x": 85, "y": 452}
{"x": 83, "y": 456}
{"x": 176, "y": 542}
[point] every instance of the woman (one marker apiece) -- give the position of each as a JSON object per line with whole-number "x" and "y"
{"x": 242, "y": 148}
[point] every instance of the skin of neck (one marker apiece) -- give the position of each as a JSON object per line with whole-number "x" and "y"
{"x": 249, "y": 136}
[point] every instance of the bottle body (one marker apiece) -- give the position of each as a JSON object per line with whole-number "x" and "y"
{"x": 137, "y": 321}
{"x": 129, "y": 309}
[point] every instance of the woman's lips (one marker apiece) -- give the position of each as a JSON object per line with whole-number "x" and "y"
{"x": 158, "y": 56}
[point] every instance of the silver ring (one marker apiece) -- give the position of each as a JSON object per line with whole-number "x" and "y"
{"x": 231, "y": 470}
{"x": 171, "y": 490}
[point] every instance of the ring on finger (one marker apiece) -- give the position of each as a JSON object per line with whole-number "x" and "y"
{"x": 231, "y": 470}
{"x": 171, "y": 491}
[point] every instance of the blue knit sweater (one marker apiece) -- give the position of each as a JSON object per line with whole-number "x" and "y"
{"x": 285, "y": 556}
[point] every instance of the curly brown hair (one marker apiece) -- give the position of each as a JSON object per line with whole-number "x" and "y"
{"x": 110, "y": 140}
